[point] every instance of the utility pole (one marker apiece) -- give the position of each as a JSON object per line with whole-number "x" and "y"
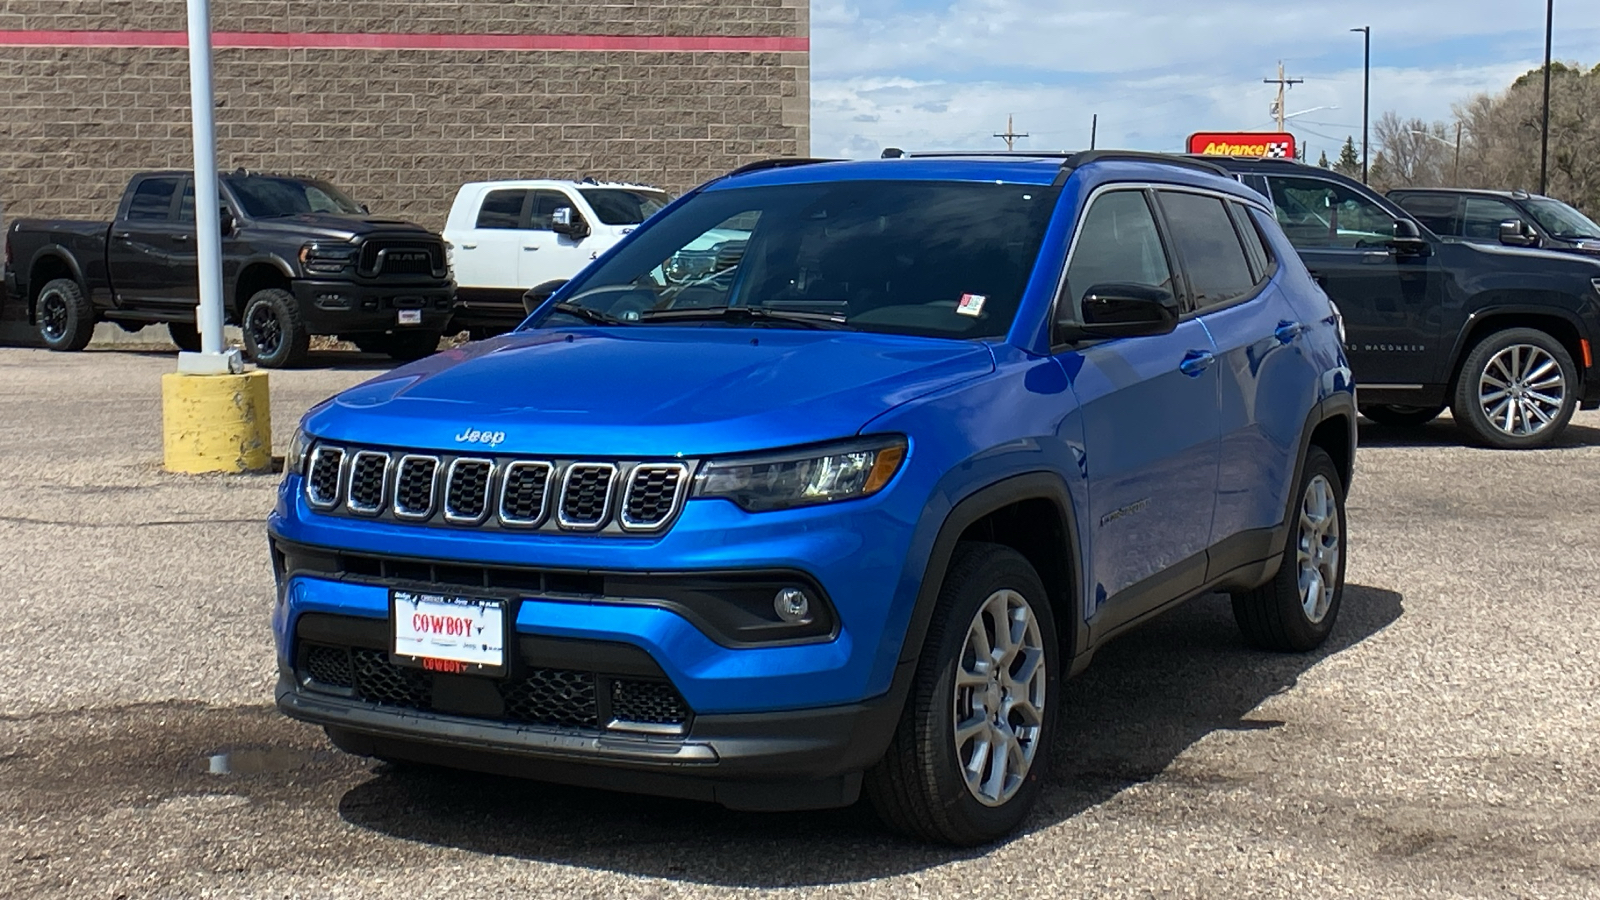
{"x": 1010, "y": 135}
{"x": 1366, "y": 93}
{"x": 1544, "y": 130}
{"x": 1282, "y": 83}
{"x": 1094, "y": 129}
{"x": 1456, "y": 179}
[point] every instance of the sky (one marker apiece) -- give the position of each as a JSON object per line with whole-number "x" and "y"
{"x": 944, "y": 74}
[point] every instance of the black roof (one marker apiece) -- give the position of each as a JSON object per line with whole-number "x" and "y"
{"x": 1479, "y": 192}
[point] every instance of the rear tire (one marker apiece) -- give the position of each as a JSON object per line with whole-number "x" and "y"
{"x": 65, "y": 315}
{"x": 986, "y": 681}
{"x": 1517, "y": 390}
{"x": 275, "y": 335}
{"x": 1295, "y": 611}
{"x": 185, "y": 335}
{"x": 1397, "y": 416}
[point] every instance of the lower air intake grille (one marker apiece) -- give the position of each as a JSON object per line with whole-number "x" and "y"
{"x": 329, "y": 666}
{"x": 553, "y": 697}
{"x": 380, "y": 681}
{"x": 647, "y": 702}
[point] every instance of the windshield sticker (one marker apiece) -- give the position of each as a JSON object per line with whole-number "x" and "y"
{"x": 971, "y": 304}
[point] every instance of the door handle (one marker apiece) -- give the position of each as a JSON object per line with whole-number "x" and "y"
{"x": 123, "y": 235}
{"x": 469, "y": 246}
{"x": 1288, "y": 331}
{"x": 1195, "y": 362}
{"x": 530, "y": 248}
{"x": 180, "y": 238}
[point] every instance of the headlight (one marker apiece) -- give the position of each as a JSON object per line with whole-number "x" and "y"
{"x": 805, "y": 476}
{"x": 294, "y": 458}
{"x": 328, "y": 259}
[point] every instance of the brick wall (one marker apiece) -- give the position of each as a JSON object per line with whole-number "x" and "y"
{"x": 399, "y": 129}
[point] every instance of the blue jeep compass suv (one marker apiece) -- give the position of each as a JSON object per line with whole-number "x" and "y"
{"x": 821, "y": 481}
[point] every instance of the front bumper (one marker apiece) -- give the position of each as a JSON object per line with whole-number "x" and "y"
{"x": 350, "y": 307}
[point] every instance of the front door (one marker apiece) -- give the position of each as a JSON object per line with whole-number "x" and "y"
{"x": 548, "y": 256}
{"x": 1150, "y": 425}
{"x": 1391, "y": 298}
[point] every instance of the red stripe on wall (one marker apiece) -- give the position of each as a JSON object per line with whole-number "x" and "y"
{"x": 334, "y": 41}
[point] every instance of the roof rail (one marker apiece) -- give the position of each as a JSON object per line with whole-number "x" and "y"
{"x": 784, "y": 162}
{"x": 1071, "y": 159}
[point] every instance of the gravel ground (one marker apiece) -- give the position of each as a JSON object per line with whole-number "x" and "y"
{"x": 1444, "y": 744}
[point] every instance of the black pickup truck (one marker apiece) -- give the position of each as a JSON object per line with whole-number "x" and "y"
{"x": 299, "y": 258}
{"x": 1503, "y": 336}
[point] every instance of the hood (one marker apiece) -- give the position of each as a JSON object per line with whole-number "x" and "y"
{"x": 651, "y": 390}
{"x": 1562, "y": 255}
{"x": 328, "y": 225}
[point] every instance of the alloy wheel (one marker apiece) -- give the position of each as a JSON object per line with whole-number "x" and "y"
{"x": 53, "y": 315}
{"x": 1521, "y": 390}
{"x": 264, "y": 329}
{"x": 1317, "y": 549}
{"x": 999, "y": 698}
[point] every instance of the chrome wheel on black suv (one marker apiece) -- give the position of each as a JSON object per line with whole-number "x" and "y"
{"x": 1517, "y": 390}
{"x": 968, "y": 756}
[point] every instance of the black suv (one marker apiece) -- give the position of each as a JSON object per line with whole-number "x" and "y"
{"x": 1512, "y": 218}
{"x": 1504, "y": 336}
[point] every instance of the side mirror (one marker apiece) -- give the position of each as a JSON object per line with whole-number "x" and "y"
{"x": 365, "y": 209}
{"x": 1517, "y": 233}
{"x": 1408, "y": 237}
{"x": 228, "y": 222}
{"x": 1119, "y": 310}
{"x": 539, "y": 293}
{"x": 568, "y": 222}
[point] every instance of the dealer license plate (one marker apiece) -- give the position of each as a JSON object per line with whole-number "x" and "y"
{"x": 410, "y": 316}
{"x": 448, "y": 633}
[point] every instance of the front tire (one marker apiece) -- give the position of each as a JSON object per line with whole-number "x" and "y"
{"x": 65, "y": 315}
{"x": 1402, "y": 416}
{"x": 1295, "y": 611}
{"x": 275, "y": 335}
{"x": 1517, "y": 390}
{"x": 185, "y": 335}
{"x": 968, "y": 758}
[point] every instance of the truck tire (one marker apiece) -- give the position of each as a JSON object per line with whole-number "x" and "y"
{"x": 1402, "y": 416}
{"x": 987, "y": 681}
{"x": 1517, "y": 390}
{"x": 64, "y": 314}
{"x": 185, "y": 335}
{"x": 275, "y": 336}
{"x": 1295, "y": 611}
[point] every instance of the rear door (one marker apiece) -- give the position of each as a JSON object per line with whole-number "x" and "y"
{"x": 150, "y": 253}
{"x": 1150, "y": 422}
{"x": 547, "y": 255}
{"x": 1391, "y": 300}
{"x": 489, "y": 254}
{"x": 1265, "y": 385}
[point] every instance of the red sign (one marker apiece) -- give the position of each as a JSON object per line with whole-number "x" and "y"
{"x": 1273, "y": 144}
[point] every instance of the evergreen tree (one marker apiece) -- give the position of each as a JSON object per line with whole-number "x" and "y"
{"x": 1349, "y": 160}
{"x": 1323, "y": 161}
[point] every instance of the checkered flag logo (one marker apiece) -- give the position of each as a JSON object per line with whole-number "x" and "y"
{"x": 1277, "y": 149}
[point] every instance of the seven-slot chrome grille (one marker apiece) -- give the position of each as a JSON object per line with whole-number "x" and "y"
{"x": 621, "y": 497}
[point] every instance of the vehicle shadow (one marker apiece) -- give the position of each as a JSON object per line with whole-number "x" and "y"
{"x": 1442, "y": 432}
{"x": 1145, "y": 699}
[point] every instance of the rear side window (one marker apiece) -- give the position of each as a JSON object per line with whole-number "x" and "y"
{"x": 1255, "y": 246}
{"x": 152, "y": 199}
{"x": 1213, "y": 257}
{"x": 1322, "y": 214}
{"x": 1482, "y": 217}
{"x": 1117, "y": 244}
{"x": 502, "y": 209}
{"x": 1441, "y": 213}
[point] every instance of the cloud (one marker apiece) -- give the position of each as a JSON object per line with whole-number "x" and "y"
{"x": 922, "y": 73}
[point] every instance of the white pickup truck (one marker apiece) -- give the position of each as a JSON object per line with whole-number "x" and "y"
{"x": 508, "y": 236}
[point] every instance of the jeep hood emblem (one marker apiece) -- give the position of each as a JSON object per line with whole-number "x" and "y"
{"x": 475, "y": 436}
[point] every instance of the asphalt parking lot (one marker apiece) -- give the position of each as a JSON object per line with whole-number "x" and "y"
{"x": 1445, "y": 743}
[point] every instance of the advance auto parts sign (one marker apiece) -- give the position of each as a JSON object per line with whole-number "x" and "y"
{"x": 1274, "y": 145}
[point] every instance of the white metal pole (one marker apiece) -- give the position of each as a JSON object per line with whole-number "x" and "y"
{"x": 207, "y": 217}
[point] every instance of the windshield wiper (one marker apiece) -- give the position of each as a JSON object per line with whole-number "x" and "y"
{"x": 745, "y": 315}
{"x": 592, "y": 316}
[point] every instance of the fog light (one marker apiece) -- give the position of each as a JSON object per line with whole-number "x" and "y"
{"x": 793, "y": 606}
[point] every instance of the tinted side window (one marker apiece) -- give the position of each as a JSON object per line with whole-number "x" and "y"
{"x": 1483, "y": 215}
{"x": 545, "y": 204}
{"x": 1441, "y": 213}
{"x": 152, "y": 199}
{"x": 1204, "y": 237}
{"x": 502, "y": 209}
{"x": 1117, "y": 242}
{"x": 1316, "y": 213}
{"x": 186, "y": 202}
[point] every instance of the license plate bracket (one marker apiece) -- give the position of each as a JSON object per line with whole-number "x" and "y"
{"x": 408, "y": 317}
{"x": 448, "y": 632}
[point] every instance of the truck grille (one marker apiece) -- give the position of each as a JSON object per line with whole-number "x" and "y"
{"x": 560, "y": 698}
{"x": 525, "y": 494}
{"x": 413, "y": 257}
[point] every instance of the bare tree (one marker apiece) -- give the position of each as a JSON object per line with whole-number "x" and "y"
{"x": 1418, "y": 153}
{"x": 1501, "y": 149}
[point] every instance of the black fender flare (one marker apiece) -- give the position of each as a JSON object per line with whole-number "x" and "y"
{"x": 51, "y": 251}
{"x": 233, "y": 303}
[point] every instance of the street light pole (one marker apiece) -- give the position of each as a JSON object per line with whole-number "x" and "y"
{"x": 212, "y": 357}
{"x": 1366, "y": 93}
{"x": 1544, "y": 130}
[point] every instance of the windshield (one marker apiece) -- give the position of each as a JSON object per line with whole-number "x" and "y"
{"x": 940, "y": 259}
{"x": 1562, "y": 220}
{"x": 624, "y": 206}
{"x": 271, "y": 197}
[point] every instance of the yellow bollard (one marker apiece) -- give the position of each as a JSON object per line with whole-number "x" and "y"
{"x": 216, "y": 423}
